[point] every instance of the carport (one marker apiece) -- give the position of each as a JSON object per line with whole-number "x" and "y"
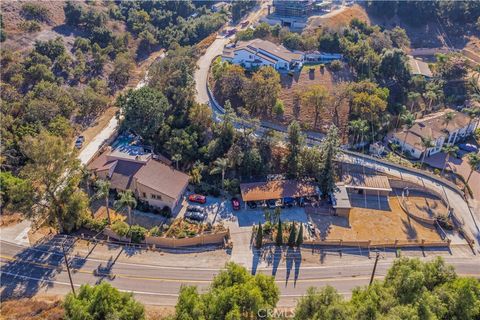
{"x": 368, "y": 185}
{"x": 277, "y": 189}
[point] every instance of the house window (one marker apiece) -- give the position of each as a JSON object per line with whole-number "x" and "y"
{"x": 144, "y": 194}
{"x": 155, "y": 196}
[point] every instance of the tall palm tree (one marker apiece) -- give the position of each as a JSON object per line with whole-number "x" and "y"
{"x": 103, "y": 191}
{"x": 177, "y": 157}
{"x": 427, "y": 143}
{"x": 413, "y": 96}
{"x": 126, "y": 200}
{"x": 220, "y": 166}
{"x": 403, "y": 109}
{"x": 430, "y": 96}
{"x": 450, "y": 150}
{"x": 362, "y": 130}
{"x": 474, "y": 162}
{"x": 409, "y": 120}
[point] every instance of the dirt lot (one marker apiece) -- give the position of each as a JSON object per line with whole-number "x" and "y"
{"x": 293, "y": 86}
{"x": 375, "y": 225}
{"x": 340, "y": 20}
{"x": 425, "y": 205}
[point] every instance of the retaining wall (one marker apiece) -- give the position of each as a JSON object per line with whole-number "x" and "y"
{"x": 203, "y": 239}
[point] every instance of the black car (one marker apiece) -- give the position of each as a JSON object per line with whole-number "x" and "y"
{"x": 271, "y": 204}
{"x": 252, "y": 204}
{"x": 288, "y": 202}
{"x": 195, "y": 209}
{"x": 196, "y": 216}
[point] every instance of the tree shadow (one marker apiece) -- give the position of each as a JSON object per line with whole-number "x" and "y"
{"x": 256, "y": 259}
{"x": 34, "y": 268}
{"x": 277, "y": 257}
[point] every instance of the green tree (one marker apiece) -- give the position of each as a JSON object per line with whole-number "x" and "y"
{"x": 329, "y": 151}
{"x": 292, "y": 238}
{"x": 316, "y": 97}
{"x": 220, "y": 166}
{"x": 299, "y": 240}
{"x": 295, "y": 145}
{"x": 100, "y": 302}
{"x": 122, "y": 67}
{"x": 53, "y": 171}
{"x": 144, "y": 111}
{"x": 259, "y": 236}
{"x": 261, "y": 93}
{"x": 279, "y": 236}
{"x": 324, "y": 303}
{"x": 126, "y": 200}
{"x": 234, "y": 294}
{"x": 15, "y": 191}
{"x": 450, "y": 151}
{"x": 103, "y": 192}
{"x": 408, "y": 120}
{"x": 473, "y": 162}
{"x": 427, "y": 143}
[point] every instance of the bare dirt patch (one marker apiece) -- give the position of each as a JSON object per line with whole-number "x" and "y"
{"x": 379, "y": 226}
{"x": 426, "y": 205}
{"x": 7, "y": 219}
{"x": 39, "y": 307}
{"x": 339, "y": 20}
{"x": 294, "y": 86}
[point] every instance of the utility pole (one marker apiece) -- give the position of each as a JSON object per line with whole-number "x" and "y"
{"x": 374, "y": 267}
{"x": 68, "y": 269}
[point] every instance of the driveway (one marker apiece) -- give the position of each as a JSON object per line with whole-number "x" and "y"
{"x": 460, "y": 167}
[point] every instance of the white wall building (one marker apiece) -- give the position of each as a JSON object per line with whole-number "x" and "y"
{"x": 436, "y": 128}
{"x": 258, "y": 53}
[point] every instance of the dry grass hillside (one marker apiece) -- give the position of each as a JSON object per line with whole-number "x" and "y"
{"x": 339, "y": 19}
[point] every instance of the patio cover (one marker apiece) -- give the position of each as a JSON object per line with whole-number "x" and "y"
{"x": 258, "y": 191}
{"x": 366, "y": 182}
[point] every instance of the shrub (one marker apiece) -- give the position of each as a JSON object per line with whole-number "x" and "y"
{"x": 120, "y": 228}
{"x": 30, "y": 26}
{"x": 336, "y": 65}
{"x": 33, "y": 11}
{"x": 166, "y": 212}
{"x": 214, "y": 191}
{"x": 279, "y": 108}
{"x": 137, "y": 233}
{"x": 155, "y": 231}
{"x": 94, "y": 224}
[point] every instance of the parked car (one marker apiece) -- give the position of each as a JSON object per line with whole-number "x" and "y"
{"x": 468, "y": 147}
{"x": 79, "y": 142}
{"x": 195, "y": 209}
{"x": 196, "y": 216}
{"x": 271, "y": 204}
{"x": 251, "y": 204}
{"x": 311, "y": 227}
{"x": 288, "y": 202}
{"x": 301, "y": 202}
{"x": 235, "y": 204}
{"x": 197, "y": 198}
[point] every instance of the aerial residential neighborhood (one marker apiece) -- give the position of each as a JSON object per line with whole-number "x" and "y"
{"x": 252, "y": 159}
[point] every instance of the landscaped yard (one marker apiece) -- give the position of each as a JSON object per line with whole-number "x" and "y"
{"x": 375, "y": 225}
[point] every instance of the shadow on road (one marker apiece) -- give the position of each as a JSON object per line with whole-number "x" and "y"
{"x": 34, "y": 268}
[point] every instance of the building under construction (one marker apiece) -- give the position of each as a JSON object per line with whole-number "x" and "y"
{"x": 299, "y": 8}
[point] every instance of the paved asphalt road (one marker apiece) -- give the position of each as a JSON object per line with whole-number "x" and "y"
{"x": 27, "y": 271}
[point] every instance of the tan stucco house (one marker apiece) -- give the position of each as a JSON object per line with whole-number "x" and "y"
{"x": 150, "y": 179}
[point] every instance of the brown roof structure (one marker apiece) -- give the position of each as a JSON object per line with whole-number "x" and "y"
{"x": 159, "y": 176}
{"x": 147, "y": 171}
{"x": 366, "y": 182}
{"x": 418, "y": 67}
{"x": 258, "y": 191}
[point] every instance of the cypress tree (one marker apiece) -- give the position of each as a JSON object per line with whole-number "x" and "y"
{"x": 292, "y": 238}
{"x": 279, "y": 238}
{"x": 300, "y": 236}
{"x": 259, "y": 238}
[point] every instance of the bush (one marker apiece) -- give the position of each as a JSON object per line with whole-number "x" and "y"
{"x": 214, "y": 191}
{"x": 279, "y": 108}
{"x": 30, "y": 26}
{"x": 166, "y": 212}
{"x": 120, "y": 228}
{"x": 94, "y": 224}
{"x": 336, "y": 65}
{"x": 33, "y": 11}
{"x": 137, "y": 233}
{"x": 155, "y": 231}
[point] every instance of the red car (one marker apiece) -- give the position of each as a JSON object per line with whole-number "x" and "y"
{"x": 235, "y": 204}
{"x": 197, "y": 198}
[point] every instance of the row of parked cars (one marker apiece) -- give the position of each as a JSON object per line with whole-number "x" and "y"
{"x": 285, "y": 203}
